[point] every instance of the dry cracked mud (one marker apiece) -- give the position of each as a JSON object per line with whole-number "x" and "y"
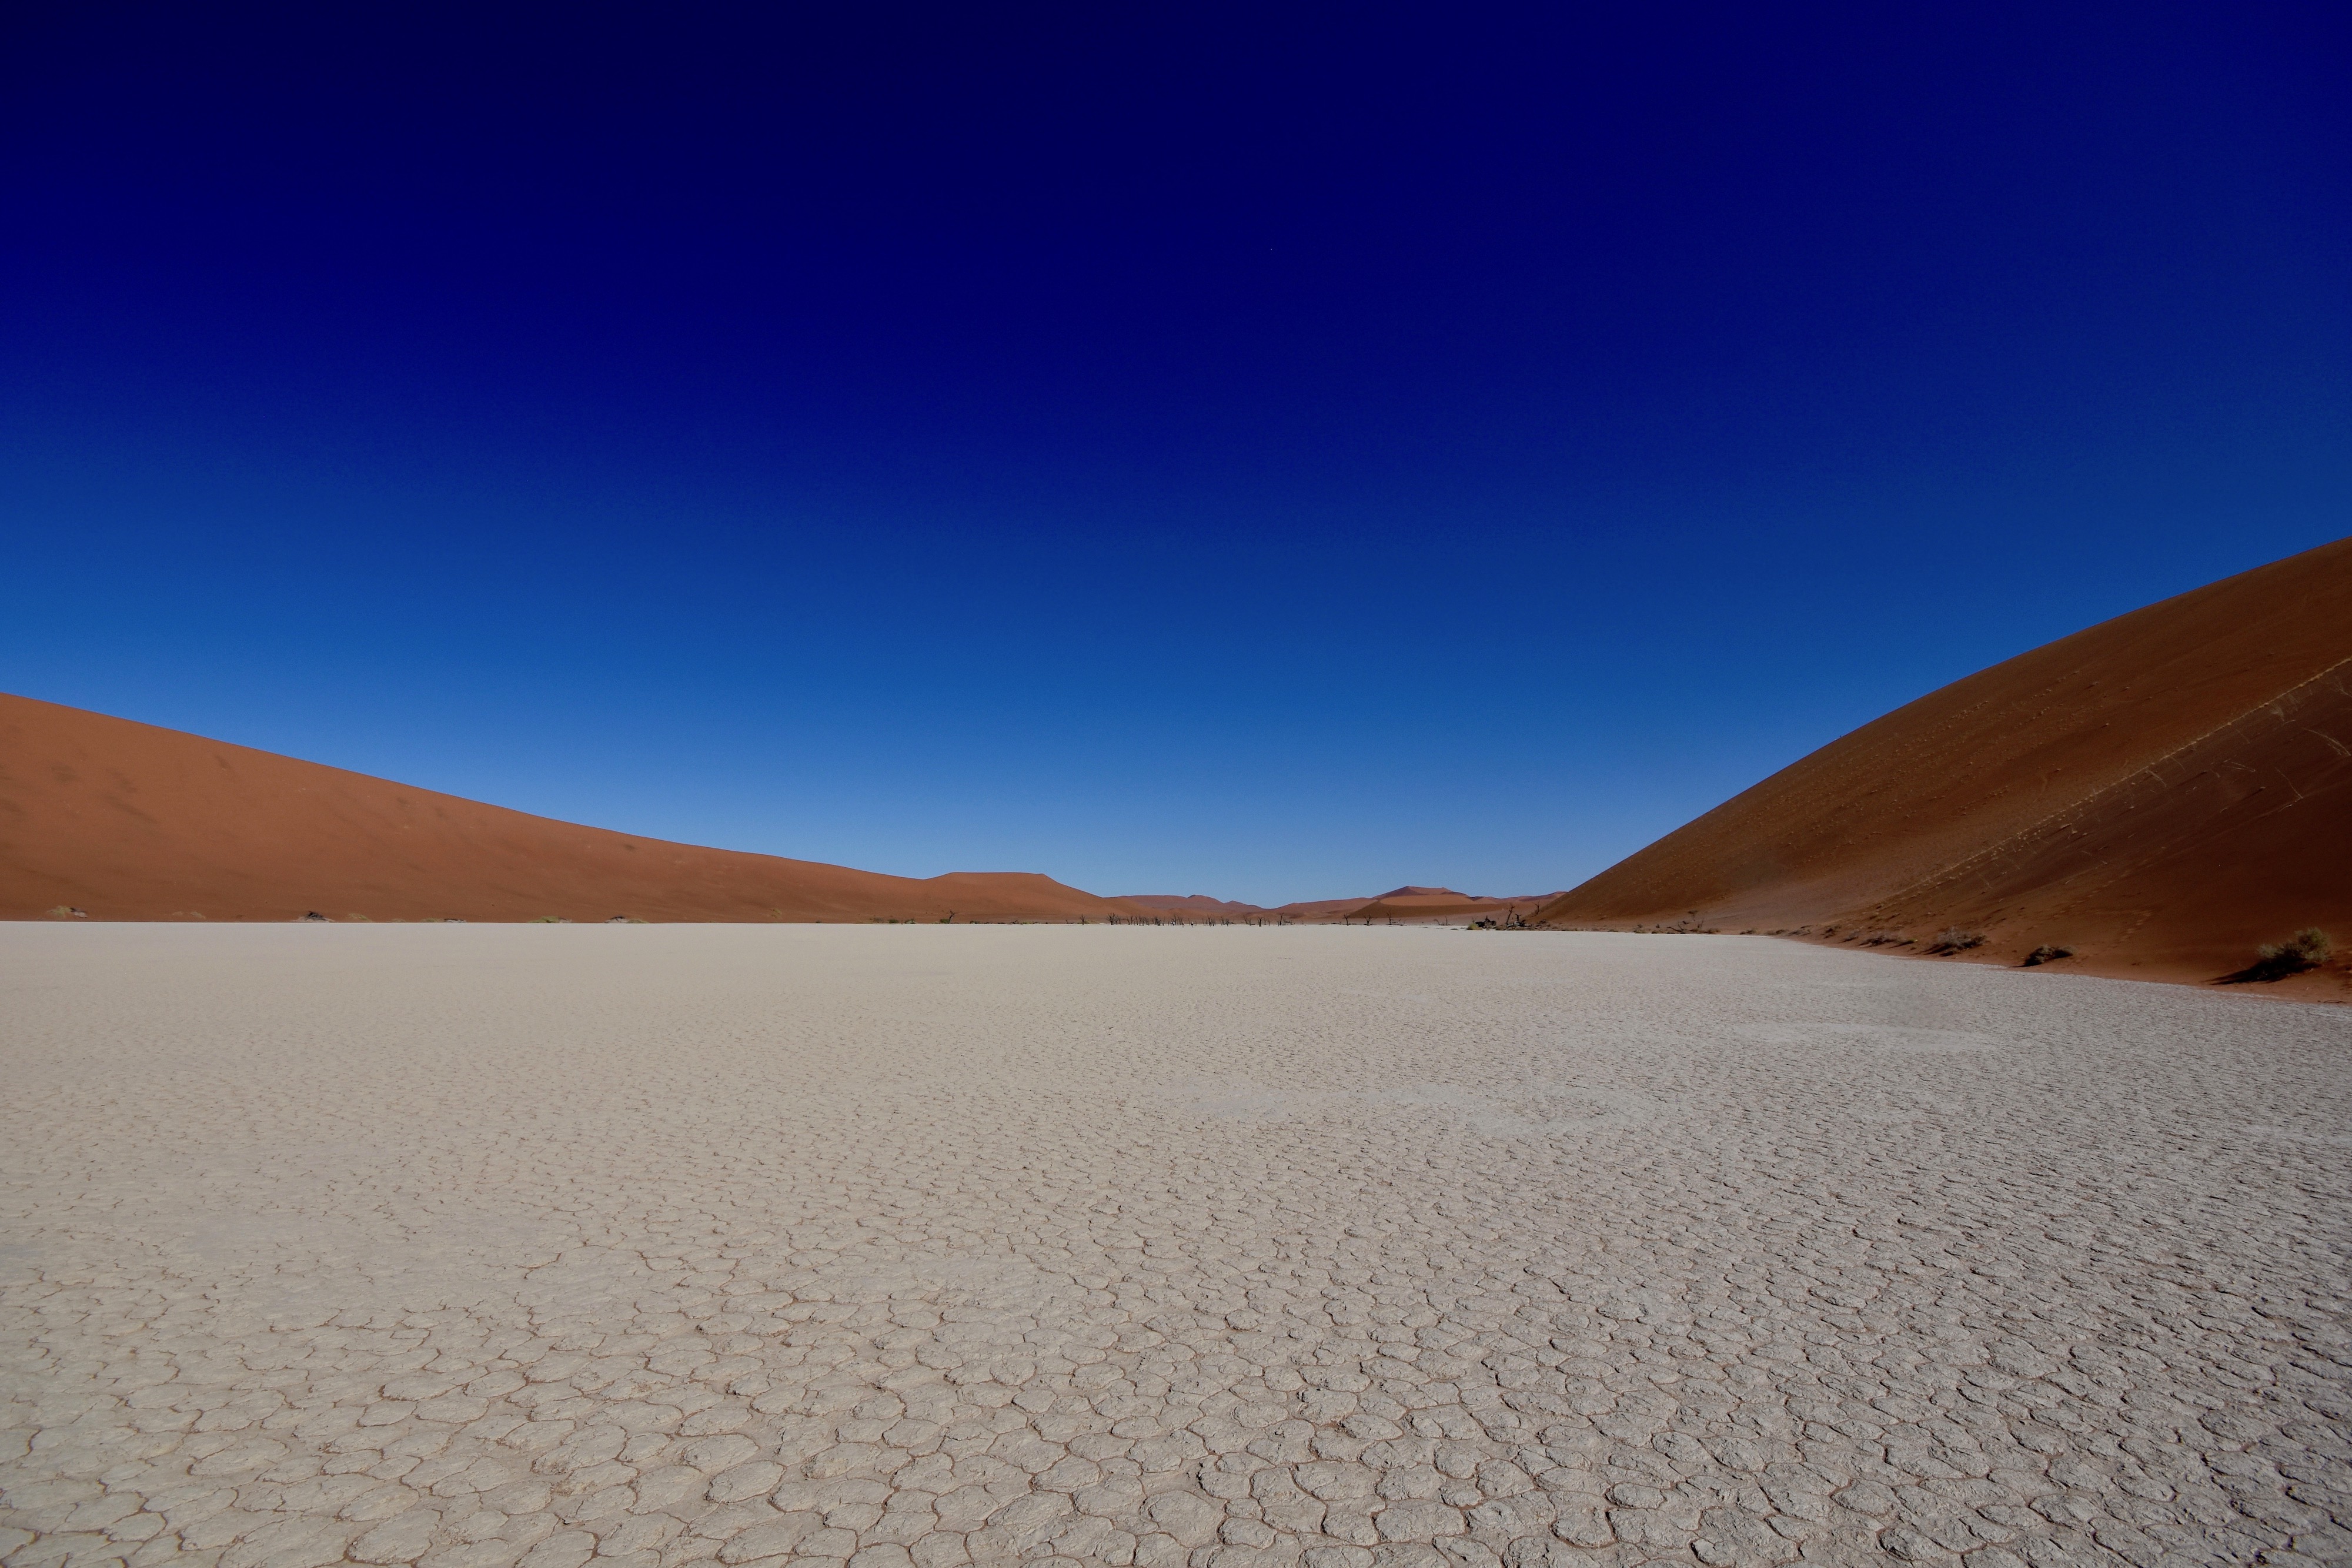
{"x": 648, "y": 1245}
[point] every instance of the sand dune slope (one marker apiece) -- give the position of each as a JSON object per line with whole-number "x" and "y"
{"x": 129, "y": 822}
{"x": 2159, "y": 793}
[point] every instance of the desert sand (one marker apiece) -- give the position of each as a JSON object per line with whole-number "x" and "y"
{"x": 121, "y": 820}
{"x": 476, "y": 1246}
{"x": 2159, "y": 794}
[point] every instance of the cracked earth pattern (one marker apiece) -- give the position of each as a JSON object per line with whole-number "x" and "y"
{"x": 650, "y": 1247}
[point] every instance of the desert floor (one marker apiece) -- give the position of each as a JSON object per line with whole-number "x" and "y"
{"x": 476, "y": 1245}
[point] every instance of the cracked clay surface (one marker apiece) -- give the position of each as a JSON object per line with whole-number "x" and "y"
{"x": 656, "y": 1246}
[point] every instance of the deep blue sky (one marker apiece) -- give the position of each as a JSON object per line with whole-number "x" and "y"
{"x": 1270, "y": 451}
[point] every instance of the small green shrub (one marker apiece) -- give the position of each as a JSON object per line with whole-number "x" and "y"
{"x": 1954, "y": 940}
{"x": 2046, "y": 955}
{"x": 2306, "y": 949}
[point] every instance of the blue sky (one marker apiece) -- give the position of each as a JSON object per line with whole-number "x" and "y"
{"x": 1277, "y": 453}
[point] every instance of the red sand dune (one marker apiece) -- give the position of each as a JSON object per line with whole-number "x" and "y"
{"x": 1182, "y": 906}
{"x": 1397, "y": 904}
{"x": 1192, "y": 904}
{"x": 128, "y": 821}
{"x": 1404, "y": 904}
{"x": 2159, "y": 793}
{"x": 1185, "y": 906}
{"x": 1313, "y": 909}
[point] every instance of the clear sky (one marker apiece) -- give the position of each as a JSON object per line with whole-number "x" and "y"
{"x": 1272, "y": 452}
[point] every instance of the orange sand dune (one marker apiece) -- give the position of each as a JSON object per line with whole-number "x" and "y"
{"x": 2159, "y": 793}
{"x": 1397, "y": 904}
{"x": 1445, "y": 904}
{"x": 128, "y": 821}
{"x": 1185, "y": 906}
{"x": 1401, "y": 904}
{"x": 1319, "y": 908}
{"x": 1193, "y": 903}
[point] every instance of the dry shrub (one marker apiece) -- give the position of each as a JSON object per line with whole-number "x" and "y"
{"x": 2306, "y": 949}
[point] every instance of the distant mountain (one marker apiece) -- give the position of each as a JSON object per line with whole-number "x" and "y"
{"x": 128, "y": 821}
{"x": 2157, "y": 794}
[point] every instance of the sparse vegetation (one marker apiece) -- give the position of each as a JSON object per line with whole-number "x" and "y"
{"x": 2310, "y": 946}
{"x": 68, "y": 912}
{"x": 2306, "y": 949}
{"x": 314, "y": 915}
{"x": 2046, "y": 954}
{"x": 548, "y": 920}
{"x": 1952, "y": 939}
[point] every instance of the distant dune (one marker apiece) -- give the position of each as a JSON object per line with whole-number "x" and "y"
{"x": 2159, "y": 793}
{"x": 128, "y": 821}
{"x": 1313, "y": 909}
{"x": 1404, "y": 904}
{"x": 1199, "y": 903}
{"x": 1399, "y": 903}
{"x": 1200, "y": 906}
